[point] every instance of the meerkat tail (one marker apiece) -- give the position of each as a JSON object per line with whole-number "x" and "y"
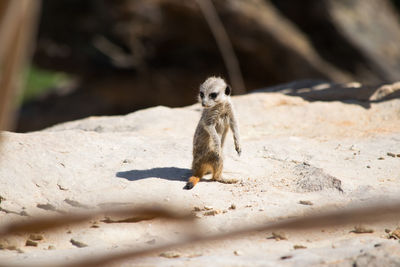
{"x": 193, "y": 180}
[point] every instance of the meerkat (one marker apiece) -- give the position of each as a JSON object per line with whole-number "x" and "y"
{"x": 208, "y": 141}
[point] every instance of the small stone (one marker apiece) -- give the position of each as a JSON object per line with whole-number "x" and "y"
{"x": 278, "y": 236}
{"x": 212, "y": 213}
{"x": 30, "y": 243}
{"x": 395, "y": 234}
{"x": 398, "y": 155}
{"x": 46, "y": 207}
{"x": 359, "y": 229}
{"x": 369, "y": 167}
{"x": 208, "y": 207}
{"x": 23, "y": 213}
{"x": 170, "y": 254}
{"x": 51, "y": 247}
{"x": 61, "y": 187}
{"x": 196, "y": 209}
{"x": 299, "y": 247}
{"x": 353, "y": 148}
{"x": 237, "y": 253}
{"x": 78, "y": 243}
{"x": 381, "y": 158}
{"x": 35, "y": 237}
{"x": 127, "y": 161}
{"x": 306, "y": 202}
{"x": 387, "y": 230}
{"x": 232, "y": 207}
{"x": 286, "y": 257}
{"x": 390, "y": 154}
{"x": 151, "y": 242}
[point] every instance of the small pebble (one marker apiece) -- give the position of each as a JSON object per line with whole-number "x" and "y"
{"x": 305, "y": 202}
{"x": 395, "y": 234}
{"x": 170, "y": 254}
{"x": 78, "y": 243}
{"x": 232, "y": 207}
{"x": 368, "y": 166}
{"x": 30, "y": 243}
{"x": 299, "y": 247}
{"x": 237, "y": 253}
{"x": 196, "y": 209}
{"x": 51, "y": 247}
{"x": 361, "y": 230}
{"x": 35, "y": 237}
{"x": 151, "y": 242}
{"x": 278, "y": 236}
{"x": 212, "y": 213}
{"x": 387, "y": 230}
{"x": 381, "y": 158}
{"x": 208, "y": 207}
{"x": 390, "y": 154}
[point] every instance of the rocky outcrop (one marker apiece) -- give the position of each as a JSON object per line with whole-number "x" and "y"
{"x": 298, "y": 157}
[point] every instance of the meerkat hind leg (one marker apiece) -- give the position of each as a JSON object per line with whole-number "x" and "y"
{"x": 217, "y": 174}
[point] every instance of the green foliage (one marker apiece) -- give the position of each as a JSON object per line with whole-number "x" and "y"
{"x": 39, "y": 81}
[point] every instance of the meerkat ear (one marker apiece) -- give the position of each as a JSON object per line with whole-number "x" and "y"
{"x": 228, "y": 90}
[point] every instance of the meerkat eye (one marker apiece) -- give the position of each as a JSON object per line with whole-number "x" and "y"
{"x": 201, "y": 94}
{"x": 213, "y": 95}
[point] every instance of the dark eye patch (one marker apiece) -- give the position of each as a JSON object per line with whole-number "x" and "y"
{"x": 213, "y": 95}
{"x": 201, "y": 94}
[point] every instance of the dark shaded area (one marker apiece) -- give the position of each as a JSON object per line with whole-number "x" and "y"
{"x": 127, "y": 55}
{"x": 351, "y": 93}
{"x": 167, "y": 173}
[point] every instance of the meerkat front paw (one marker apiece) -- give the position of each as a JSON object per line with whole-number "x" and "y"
{"x": 238, "y": 150}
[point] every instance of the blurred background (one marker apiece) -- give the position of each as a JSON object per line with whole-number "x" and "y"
{"x": 108, "y": 57}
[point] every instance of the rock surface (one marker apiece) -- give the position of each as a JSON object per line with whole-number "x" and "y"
{"x": 329, "y": 154}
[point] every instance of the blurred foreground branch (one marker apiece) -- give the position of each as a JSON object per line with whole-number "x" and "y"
{"x": 382, "y": 212}
{"x": 17, "y": 28}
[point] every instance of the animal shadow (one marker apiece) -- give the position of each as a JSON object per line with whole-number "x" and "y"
{"x": 167, "y": 173}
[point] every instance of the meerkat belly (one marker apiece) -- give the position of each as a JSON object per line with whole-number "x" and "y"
{"x": 201, "y": 142}
{"x": 222, "y": 125}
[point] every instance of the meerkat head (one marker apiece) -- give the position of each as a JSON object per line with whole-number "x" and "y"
{"x": 213, "y": 91}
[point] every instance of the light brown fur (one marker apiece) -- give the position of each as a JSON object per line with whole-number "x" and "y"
{"x": 216, "y": 119}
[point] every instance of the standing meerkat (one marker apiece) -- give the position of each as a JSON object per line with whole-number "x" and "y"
{"x": 217, "y": 117}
